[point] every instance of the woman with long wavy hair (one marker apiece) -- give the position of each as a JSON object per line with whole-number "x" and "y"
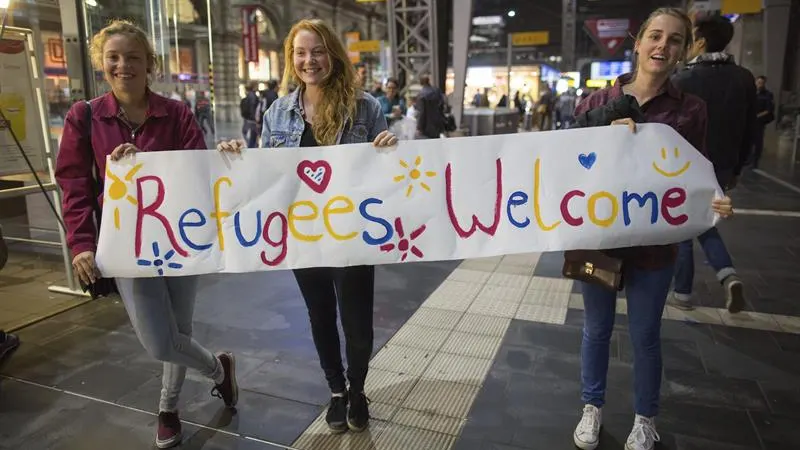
{"x": 330, "y": 108}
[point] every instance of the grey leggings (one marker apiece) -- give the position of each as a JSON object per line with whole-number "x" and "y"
{"x": 161, "y": 311}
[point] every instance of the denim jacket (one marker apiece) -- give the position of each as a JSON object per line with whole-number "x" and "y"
{"x": 283, "y": 122}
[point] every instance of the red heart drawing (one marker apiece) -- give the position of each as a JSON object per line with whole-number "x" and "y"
{"x": 316, "y": 174}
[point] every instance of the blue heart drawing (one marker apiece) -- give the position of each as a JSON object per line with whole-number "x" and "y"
{"x": 587, "y": 161}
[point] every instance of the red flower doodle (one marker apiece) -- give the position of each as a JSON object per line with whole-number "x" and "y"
{"x": 405, "y": 244}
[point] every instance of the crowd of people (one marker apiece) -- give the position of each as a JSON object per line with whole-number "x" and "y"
{"x": 327, "y": 98}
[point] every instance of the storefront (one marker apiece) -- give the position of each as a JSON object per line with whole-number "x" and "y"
{"x": 529, "y": 81}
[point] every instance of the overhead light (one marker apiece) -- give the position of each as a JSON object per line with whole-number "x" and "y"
{"x": 512, "y": 13}
{"x": 484, "y": 20}
{"x": 4, "y": 4}
{"x": 92, "y": 3}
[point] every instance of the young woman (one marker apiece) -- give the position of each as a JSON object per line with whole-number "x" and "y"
{"x": 127, "y": 120}
{"x": 392, "y": 103}
{"x": 330, "y": 108}
{"x": 661, "y": 43}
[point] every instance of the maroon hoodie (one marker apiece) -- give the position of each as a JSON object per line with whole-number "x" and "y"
{"x": 169, "y": 126}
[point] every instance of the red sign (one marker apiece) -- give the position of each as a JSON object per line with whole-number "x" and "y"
{"x": 250, "y": 33}
{"x": 610, "y": 34}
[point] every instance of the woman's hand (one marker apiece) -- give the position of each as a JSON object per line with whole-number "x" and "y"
{"x": 385, "y": 139}
{"x": 627, "y": 121}
{"x": 232, "y": 146}
{"x": 85, "y": 267}
{"x": 722, "y": 206}
{"x": 122, "y": 151}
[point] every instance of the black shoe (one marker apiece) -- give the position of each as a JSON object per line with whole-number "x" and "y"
{"x": 337, "y": 414}
{"x": 228, "y": 390}
{"x": 8, "y": 345}
{"x": 358, "y": 413}
{"x": 734, "y": 294}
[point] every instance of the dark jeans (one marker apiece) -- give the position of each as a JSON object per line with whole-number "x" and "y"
{"x": 353, "y": 288}
{"x": 758, "y": 145}
{"x": 204, "y": 119}
{"x": 714, "y": 248}
{"x": 250, "y": 133}
{"x": 646, "y": 291}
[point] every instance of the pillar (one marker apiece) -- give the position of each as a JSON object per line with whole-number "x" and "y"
{"x": 462, "y": 25}
{"x": 776, "y": 32}
{"x": 568, "y": 19}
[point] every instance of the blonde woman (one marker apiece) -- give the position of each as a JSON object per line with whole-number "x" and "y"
{"x": 129, "y": 119}
{"x": 330, "y": 108}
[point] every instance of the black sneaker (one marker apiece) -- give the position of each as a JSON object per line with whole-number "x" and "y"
{"x": 228, "y": 390}
{"x": 8, "y": 344}
{"x": 734, "y": 294}
{"x": 358, "y": 413}
{"x": 337, "y": 414}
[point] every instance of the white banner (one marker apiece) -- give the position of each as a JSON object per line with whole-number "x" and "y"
{"x": 193, "y": 212}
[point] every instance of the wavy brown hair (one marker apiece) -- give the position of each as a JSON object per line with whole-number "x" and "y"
{"x": 127, "y": 28}
{"x": 339, "y": 89}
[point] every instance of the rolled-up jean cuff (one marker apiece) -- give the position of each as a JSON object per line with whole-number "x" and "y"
{"x": 725, "y": 273}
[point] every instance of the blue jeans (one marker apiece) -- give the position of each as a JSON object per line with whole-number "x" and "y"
{"x": 161, "y": 311}
{"x": 717, "y": 255}
{"x": 250, "y": 133}
{"x": 646, "y": 291}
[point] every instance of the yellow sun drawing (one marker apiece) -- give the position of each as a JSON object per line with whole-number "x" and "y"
{"x": 119, "y": 189}
{"x": 414, "y": 175}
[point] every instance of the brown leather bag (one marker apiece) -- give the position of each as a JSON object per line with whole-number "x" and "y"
{"x": 595, "y": 267}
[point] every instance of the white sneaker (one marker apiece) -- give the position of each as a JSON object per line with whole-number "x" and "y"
{"x": 644, "y": 435}
{"x": 587, "y": 433}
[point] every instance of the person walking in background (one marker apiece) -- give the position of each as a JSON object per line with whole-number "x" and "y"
{"x": 331, "y": 108}
{"x": 130, "y": 119}
{"x": 565, "y": 108}
{"x": 647, "y": 95}
{"x": 430, "y": 105}
{"x": 765, "y": 112}
{"x": 392, "y": 104}
{"x": 247, "y": 109}
{"x": 202, "y": 112}
{"x": 267, "y": 98}
{"x": 726, "y": 88}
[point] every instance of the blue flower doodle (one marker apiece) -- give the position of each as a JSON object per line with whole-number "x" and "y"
{"x": 158, "y": 262}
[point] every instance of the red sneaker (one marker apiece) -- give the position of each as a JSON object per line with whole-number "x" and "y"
{"x": 169, "y": 430}
{"x": 228, "y": 390}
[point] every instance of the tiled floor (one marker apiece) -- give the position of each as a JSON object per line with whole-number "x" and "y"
{"x": 24, "y": 294}
{"x": 478, "y": 355}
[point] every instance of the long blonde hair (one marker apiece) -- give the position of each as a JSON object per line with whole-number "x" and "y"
{"x": 339, "y": 89}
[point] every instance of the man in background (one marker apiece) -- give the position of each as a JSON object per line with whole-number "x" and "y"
{"x": 247, "y": 109}
{"x": 727, "y": 89}
{"x": 765, "y": 106}
{"x": 430, "y": 106}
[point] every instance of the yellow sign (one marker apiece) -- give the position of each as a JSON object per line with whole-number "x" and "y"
{"x": 349, "y": 39}
{"x": 741, "y": 6}
{"x": 592, "y": 83}
{"x": 530, "y": 38}
{"x": 365, "y": 46}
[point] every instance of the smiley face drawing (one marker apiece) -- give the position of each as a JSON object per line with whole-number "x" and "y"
{"x": 676, "y": 173}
